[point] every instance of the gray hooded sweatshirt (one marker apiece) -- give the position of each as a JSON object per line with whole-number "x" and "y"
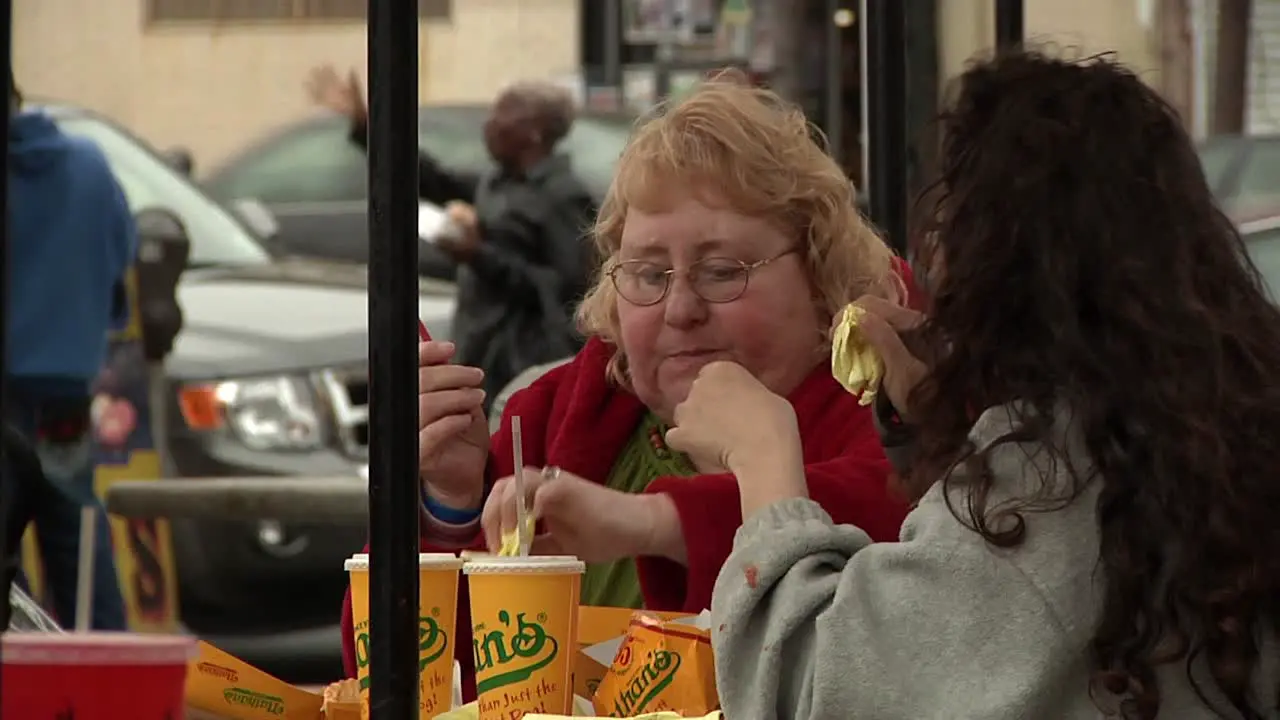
{"x": 812, "y": 620}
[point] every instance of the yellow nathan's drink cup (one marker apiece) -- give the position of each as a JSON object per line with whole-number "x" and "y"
{"x": 437, "y": 627}
{"x": 524, "y": 630}
{"x": 437, "y": 619}
{"x": 357, "y": 567}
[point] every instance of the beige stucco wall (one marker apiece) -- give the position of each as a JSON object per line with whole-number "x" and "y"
{"x": 1127, "y": 27}
{"x": 213, "y": 88}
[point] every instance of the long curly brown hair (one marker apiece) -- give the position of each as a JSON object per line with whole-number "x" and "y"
{"x": 1076, "y": 256}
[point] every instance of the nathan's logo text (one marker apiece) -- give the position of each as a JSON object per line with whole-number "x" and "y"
{"x": 433, "y": 640}
{"x": 649, "y": 680}
{"x": 254, "y": 700}
{"x": 218, "y": 671}
{"x": 515, "y": 656}
{"x": 362, "y": 653}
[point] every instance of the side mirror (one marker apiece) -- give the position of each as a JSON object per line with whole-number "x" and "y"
{"x": 163, "y": 250}
{"x": 257, "y": 216}
{"x": 180, "y": 159}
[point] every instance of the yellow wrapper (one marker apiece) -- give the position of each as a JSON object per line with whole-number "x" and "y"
{"x": 659, "y": 668}
{"x": 227, "y": 687}
{"x": 854, "y": 363}
{"x": 511, "y": 539}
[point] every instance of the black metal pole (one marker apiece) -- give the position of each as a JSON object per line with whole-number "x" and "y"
{"x": 393, "y": 375}
{"x": 885, "y": 56}
{"x": 1009, "y": 23}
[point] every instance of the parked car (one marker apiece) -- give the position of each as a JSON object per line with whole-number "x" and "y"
{"x": 290, "y": 338}
{"x": 315, "y": 180}
{"x": 1242, "y": 170}
{"x": 1260, "y": 229}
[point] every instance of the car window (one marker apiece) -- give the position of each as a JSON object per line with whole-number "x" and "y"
{"x": 1264, "y": 249}
{"x": 455, "y": 138}
{"x": 595, "y": 146}
{"x": 1215, "y": 160}
{"x": 312, "y": 163}
{"x": 1260, "y": 178}
{"x": 217, "y": 238}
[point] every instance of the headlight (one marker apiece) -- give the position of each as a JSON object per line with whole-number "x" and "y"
{"x": 270, "y": 413}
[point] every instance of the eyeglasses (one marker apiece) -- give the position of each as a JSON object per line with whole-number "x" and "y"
{"x": 714, "y": 279}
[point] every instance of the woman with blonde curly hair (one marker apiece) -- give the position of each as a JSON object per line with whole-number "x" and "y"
{"x": 728, "y": 235}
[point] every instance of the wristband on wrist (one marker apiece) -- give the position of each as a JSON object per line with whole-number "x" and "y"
{"x": 452, "y": 516}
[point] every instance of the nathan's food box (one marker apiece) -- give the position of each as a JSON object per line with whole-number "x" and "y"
{"x": 603, "y": 624}
{"x": 220, "y": 685}
{"x": 657, "y": 666}
{"x": 602, "y": 630}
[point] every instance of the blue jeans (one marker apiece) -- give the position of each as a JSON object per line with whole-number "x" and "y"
{"x": 56, "y": 502}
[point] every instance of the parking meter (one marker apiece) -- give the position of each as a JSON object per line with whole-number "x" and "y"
{"x": 163, "y": 249}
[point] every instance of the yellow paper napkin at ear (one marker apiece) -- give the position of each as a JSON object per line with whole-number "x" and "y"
{"x": 854, "y": 363}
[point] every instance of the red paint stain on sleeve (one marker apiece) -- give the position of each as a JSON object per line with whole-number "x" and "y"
{"x": 753, "y": 576}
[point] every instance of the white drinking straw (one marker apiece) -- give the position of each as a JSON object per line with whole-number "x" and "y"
{"x": 84, "y": 574}
{"x": 517, "y": 449}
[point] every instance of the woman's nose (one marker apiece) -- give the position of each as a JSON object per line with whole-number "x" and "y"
{"x": 683, "y": 307}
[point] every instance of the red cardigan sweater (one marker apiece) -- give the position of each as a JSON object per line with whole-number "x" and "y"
{"x": 574, "y": 418}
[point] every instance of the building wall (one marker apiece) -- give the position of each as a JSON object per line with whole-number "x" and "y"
{"x": 1083, "y": 27}
{"x": 214, "y": 87}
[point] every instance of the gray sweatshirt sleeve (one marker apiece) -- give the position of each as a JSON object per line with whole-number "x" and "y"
{"x": 811, "y": 620}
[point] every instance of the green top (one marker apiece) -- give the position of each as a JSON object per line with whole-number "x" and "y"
{"x": 643, "y": 459}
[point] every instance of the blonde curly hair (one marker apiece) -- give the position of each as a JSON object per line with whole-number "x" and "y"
{"x": 757, "y": 153}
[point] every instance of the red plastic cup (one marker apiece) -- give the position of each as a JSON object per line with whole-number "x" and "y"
{"x": 94, "y": 676}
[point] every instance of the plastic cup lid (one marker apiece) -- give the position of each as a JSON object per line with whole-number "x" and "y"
{"x": 433, "y": 561}
{"x": 439, "y": 561}
{"x": 548, "y": 564}
{"x": 97, "y": 648}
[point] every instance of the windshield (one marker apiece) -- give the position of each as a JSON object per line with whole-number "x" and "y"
{"x": 216, "y": 237}
{"x": 595, "y": 144}
{"x": 1215, "y": 159}
{"x": 1264, "y": 249}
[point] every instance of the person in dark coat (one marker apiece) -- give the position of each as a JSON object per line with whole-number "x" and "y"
{"x": 72, "y": 242}
{"x": 522, "y": 256}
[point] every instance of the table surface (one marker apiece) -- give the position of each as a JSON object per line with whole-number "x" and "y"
{"x": 342, "y": 500}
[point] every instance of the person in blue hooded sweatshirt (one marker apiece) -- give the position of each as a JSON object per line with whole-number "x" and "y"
{"x": 71, "y": 242}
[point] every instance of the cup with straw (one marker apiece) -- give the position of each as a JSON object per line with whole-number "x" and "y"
{"x": 93, "y": 675}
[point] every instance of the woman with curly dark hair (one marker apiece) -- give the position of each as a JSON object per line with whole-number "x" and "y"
{"x": 1094, "y": 407}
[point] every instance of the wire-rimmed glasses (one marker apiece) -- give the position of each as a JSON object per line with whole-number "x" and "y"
{"x": 714, "y": 279}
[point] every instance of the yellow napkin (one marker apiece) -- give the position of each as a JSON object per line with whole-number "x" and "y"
{"x": 511, "y": 539}
{"x": 854, "y": 363}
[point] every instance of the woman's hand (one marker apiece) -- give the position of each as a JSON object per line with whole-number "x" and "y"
{"x": 453, "y": 435}
{"x": 883, "y": 325}
{"x": 731, "y": 420}
{"x": 328, "y": 90}
{"x": 585, "y": 519}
